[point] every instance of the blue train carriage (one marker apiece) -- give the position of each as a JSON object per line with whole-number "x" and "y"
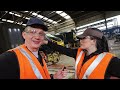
{"x": 112, "y": 33}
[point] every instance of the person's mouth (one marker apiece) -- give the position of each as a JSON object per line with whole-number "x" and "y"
{"x": 36, "y": 42}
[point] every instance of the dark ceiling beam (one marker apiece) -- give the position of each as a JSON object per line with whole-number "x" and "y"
{"x": 4, "y": 13}
{"x": 85, "y": 16}
{"x": 22, "y": 19}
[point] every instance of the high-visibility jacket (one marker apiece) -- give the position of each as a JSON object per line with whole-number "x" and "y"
{"x": 94, "y": 68}
{"x": 30, "y": 68}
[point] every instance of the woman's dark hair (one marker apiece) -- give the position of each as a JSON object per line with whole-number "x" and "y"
{"x": 102, "y": 44}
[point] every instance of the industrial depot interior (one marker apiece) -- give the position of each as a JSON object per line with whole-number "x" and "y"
{"x": 63, "y": 27}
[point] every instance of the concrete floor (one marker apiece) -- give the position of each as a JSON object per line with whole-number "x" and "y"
{"x": 70, "y": 62}
{"x": 66, "y": 61}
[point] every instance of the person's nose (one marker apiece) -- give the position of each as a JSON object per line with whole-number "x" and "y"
{"x": 38, "y": 34}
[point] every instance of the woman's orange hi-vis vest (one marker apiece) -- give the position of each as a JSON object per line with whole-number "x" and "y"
{"x": 26, "y": 70}
{"x": 96, "y": 73}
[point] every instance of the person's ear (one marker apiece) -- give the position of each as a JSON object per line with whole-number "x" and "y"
{"x": 94, "y": 41}
{"x": 23, "y": 34}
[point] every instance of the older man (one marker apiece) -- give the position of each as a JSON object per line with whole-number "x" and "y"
{"x": 25, "y": 61}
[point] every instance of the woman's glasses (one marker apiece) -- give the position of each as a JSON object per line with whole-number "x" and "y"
{"x": 85, "y": 37}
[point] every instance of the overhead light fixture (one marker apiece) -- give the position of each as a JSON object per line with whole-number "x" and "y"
{"x": 11, "y": 13}
{"x": 40, "y": 16}
{"x": 3, "y": 19}
{"x": 10, "y": 21}
{"x": 54, "y": 22}
{"x": 45, "y": 18}
{"x": 34, "y": 14}
{"x": 49, "y": 20}
{"x": 18, "y": 15}
{"x": 67, "y": 17}
{"x": 19, "y": 23}
{"x": 27, "y": 18}
{"x": 58, "y": 21}
{"x": 63, "y": 14}
{"x": 48, "y": 25}
{"x": 24, "y": 24}
{"x": 26, "y": 11}
{"x": 58, "y": 12}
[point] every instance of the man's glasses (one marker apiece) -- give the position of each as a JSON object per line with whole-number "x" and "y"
{"x": 34, "y": 32}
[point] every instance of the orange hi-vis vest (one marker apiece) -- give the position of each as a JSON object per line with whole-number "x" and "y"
{"x": 30, "y": 68}
{"x": 94, "y": 68}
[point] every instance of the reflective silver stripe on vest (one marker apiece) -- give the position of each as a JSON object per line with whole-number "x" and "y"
{"x": 35, "y": 69}
{"x": 93, "y": 65}
{"x": 77, "y": 61}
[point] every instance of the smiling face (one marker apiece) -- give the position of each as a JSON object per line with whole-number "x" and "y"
{"x": 34, "y": 38}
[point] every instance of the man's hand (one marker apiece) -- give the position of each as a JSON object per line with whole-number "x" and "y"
{"x": 61, "y": 73}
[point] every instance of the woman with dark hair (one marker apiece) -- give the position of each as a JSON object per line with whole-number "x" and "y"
{"x": 93, "y": 59}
